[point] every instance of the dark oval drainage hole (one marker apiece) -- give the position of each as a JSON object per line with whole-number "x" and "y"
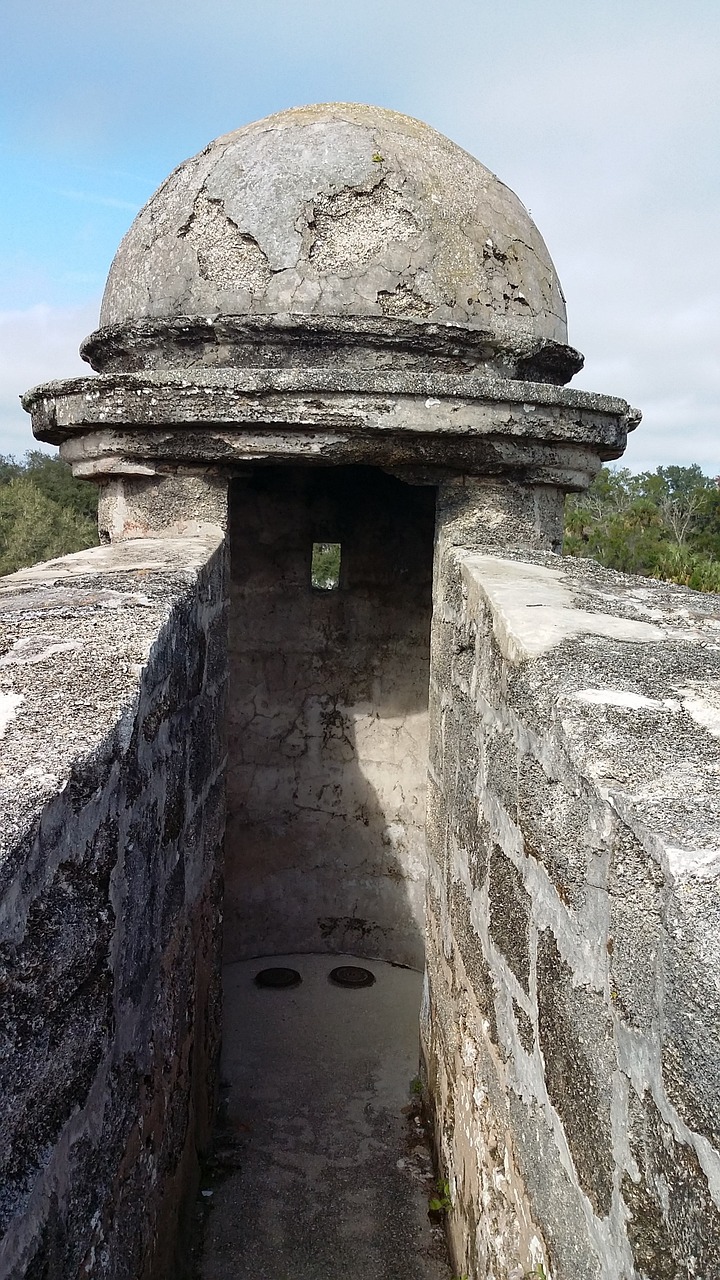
{"x": 278, "y": 978}
{"x": 350, "y": 975}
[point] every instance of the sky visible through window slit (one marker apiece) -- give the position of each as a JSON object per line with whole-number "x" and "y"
{"x": 325, "y": 571}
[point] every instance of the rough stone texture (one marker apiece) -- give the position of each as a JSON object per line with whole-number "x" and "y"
{"x": 137, "y": 423}
{"x": 572, "y": 1017}
{"x": 323, "y": 1167}
{"x": 576, "y": 1045}
{"x": 326, "y": 342}
{"x": 328, "y": 715}
{"x": 333, "y": 284}
{"x": 112, "y": 802}
{"x": 341, "y": 285}
{"x": 337, "y": 209}
{"x": 484, "y": 512}
{"x": 509, "y": 907}
{"x": 157, "y": 505}
{"x": 674, "y": 1220}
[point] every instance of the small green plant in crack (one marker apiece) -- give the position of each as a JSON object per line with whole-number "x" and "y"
{"x": 416, "y": 1087}
{"x": 377, "y": 158}
{"x": 440, "y": 1202}
{"x": 539, "y": 1272}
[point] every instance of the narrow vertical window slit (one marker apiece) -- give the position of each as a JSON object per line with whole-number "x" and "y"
{"x": 325, "y": 569}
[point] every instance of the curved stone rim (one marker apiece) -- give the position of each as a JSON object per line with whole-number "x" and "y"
{"x": 360, "y": 382}
{"x": 463, "y": 424}
{"x": 104, "y": 456}
{"x": 510, "y": 344}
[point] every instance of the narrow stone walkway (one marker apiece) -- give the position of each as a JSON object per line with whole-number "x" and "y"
{"x": 321, "y": 1171}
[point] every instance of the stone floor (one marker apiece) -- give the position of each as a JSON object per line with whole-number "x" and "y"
{"x": 321, "y": 1169}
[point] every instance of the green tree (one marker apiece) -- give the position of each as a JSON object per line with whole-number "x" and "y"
{"x": 680, "y": 495}
{"x": 44, "y": 511}
{"x": 54, "y": 478}
{"x": 663, "y": 524}
{"x": 325, "y": 569}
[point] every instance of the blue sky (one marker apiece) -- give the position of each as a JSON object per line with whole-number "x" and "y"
{"x": 603, "y": 117}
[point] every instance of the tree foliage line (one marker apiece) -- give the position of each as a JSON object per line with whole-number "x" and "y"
{"x": 44, "y": 511}
{"x": 662, "y": 524}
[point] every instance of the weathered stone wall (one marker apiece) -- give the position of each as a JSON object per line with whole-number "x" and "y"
{"x": 112, "y": 680}
{"x": 572, "y": 1014}
{"x": 325, "y": 846}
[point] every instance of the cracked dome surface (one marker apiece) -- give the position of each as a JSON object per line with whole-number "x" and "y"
{"x": 337, "y": 210}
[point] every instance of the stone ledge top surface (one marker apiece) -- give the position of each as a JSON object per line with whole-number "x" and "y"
{"x": 379, "y": 402}
{"x": 538, "y": 604}
{"x": 375, "y": 382}
{"x": 627, "y": 671}
{"x": 75, "y": 634}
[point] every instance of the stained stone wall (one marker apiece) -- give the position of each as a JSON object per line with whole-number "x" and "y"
{"x": 325, "y": 847}
{"x": 572, "y": 1009}
{"x": 112, "y": 682}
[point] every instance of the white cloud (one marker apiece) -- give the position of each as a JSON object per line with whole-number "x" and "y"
{"x": 609, "y": 136}
{"x": 37, "y": 345}
{"x": 603, "y": 118}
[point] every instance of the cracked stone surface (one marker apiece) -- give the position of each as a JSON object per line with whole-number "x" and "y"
{"x": 390, "y": 418}
{"x": 334, "y": 283}
{"x": 338, "y": 209}
{"x": 112, "y": 754}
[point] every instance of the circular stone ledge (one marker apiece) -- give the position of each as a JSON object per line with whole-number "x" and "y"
{"x": 102, "y": 455}
{"x": 507, "y": 349}
{"x": 239, "y": 395}
{"x": 472, "y": 424}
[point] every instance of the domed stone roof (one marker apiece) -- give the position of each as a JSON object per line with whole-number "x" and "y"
{"x": 338, "y": 211}
{"x": 333, "y": 285}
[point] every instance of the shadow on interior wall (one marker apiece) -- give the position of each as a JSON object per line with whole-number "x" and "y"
{"x": 328, "y": 715}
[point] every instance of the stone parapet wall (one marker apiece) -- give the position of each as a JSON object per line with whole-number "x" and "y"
{"x": 572, "y": 1012}
{"x": 112, "y": 686}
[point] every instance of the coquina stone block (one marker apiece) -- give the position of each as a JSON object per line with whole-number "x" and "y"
{"x": 110, "y": 913}
{"x": 580, "y": 971}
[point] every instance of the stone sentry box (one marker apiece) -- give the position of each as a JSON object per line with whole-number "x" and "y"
{"x": 331, "y": 316}
{"x": 335, "y": 326}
